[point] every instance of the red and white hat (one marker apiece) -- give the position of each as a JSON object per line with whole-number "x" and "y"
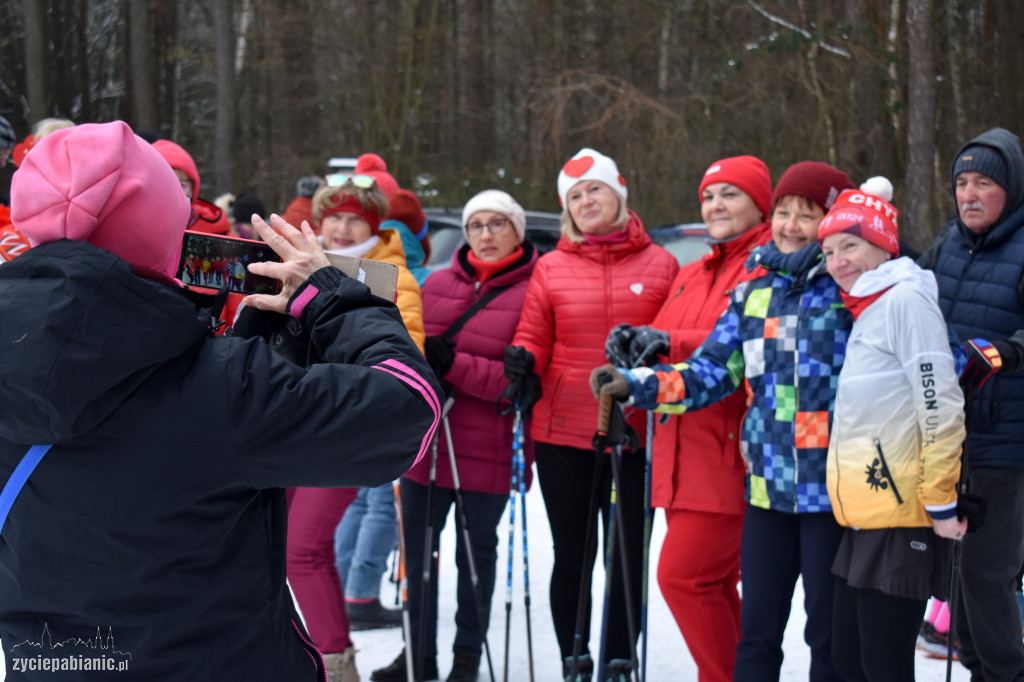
{"x": 864, "y": 215}
{"x": 589, "y": 164}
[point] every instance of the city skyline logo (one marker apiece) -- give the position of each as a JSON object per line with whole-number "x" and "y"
{"x": 73, "y": 653}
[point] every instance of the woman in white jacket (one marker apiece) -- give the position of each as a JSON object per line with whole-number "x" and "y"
{"x": 894, "y": 450}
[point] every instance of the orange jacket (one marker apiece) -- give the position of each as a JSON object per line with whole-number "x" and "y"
{"x": 578, "y": 292}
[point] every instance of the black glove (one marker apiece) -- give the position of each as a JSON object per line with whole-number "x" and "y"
{"x": 518, "y": 363}
{"x": 972, "y": 508}
{"x": 984, "y": 359}
{"x": 440, "y": 353}
{"x": 616, "y": 346}
{"x": 523, "y": 392}
{"x": 647, "y": 345}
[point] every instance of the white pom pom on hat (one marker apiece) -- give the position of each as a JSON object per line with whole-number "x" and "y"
{"x": 879, "y": 186}
{"x": 590, "y": 164}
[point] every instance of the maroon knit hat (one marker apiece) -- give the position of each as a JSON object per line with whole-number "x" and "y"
{"x": 815, "y": 181}
{"x": 749, "y": 173}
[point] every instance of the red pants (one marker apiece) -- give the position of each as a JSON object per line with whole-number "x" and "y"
{"x": 698, "y": 573}
{"x": 313, "y": 516}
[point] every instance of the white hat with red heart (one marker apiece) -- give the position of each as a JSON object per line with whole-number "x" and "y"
{"x": 589, "y": 164}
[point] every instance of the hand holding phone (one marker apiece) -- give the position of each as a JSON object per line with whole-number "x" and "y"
{"x": 301, "y": 256}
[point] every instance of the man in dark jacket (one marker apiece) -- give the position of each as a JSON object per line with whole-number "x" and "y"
{"x": 150, "y": 539}
{"x": 978, "y": 261}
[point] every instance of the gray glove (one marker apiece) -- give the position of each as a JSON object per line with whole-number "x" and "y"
{"x": 616, "y": 346}
{"x": 647, "y": 344}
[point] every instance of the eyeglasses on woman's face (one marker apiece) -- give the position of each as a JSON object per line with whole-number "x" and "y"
{"x": 495, "y": 226}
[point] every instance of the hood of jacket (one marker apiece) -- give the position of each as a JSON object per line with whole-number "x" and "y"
{"x": 1007, "y": 145}
{"x": 636, "y": 239}
{"x": 81, "y": 331}
{"x": 893, "y": 272}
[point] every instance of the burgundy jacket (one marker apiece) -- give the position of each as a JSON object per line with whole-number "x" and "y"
{"x": 482, "y": 440}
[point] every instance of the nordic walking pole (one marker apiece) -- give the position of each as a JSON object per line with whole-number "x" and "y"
{"x": 617, "y": 532}
{"x": 403, "y": 584}
{"x": 520, "y": 456}
{"x": 460, "y": 508}
{"x": 511, "y": 551}
{"x": 648, "y": 522}
{"x": 954, "y": 578}
{"x": 590, "y": 542}
{"x": 428, "y": 563}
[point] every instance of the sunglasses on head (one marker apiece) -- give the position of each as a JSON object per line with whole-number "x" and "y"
{"x": 360, "y": 181}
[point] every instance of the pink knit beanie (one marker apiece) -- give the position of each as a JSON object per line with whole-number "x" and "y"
{"x": 102, "y": 184}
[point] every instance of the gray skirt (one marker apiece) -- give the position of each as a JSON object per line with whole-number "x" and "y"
{"x": 902, "y": 562}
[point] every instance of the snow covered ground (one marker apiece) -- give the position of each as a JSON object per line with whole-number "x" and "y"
{"x": 669, "y": 659}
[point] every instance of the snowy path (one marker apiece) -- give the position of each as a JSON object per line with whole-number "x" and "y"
{"x": 669, "y": 659}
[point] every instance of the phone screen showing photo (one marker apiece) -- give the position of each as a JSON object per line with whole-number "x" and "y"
{"x": 213, "y": 261}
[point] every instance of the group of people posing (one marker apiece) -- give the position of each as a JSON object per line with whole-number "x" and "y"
{"x": 826, "y": 407}
{"x": 813, "y": 385}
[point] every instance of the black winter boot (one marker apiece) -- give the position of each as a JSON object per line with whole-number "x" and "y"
{"x": 465, "y": 668}
{"x": 584, "y": 668}
{"x": 618, "y": 670}
{"x": 395, "y": 672}
{"x": 371, "y": 615}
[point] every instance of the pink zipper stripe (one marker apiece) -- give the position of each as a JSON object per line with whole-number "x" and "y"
{"x": 320, "y": 665}
{"x": 427, "y": 392}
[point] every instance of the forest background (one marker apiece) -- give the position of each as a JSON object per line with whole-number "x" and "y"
{"x": 460, "y": 95}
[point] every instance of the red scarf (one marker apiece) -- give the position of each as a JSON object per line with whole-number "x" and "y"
{"x": 617, "y": 237}
{"x": 485, "y": 269}
{"x": 858, "y": 304}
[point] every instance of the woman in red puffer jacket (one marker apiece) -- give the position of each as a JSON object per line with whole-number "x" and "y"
{"x": 605, "y": 271}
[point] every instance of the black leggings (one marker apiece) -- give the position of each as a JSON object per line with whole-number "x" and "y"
{"x": 874, "y": 634}
{"x": 565, "y": 476}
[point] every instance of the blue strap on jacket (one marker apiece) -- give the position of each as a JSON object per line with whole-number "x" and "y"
{"x": 18, "y": 479}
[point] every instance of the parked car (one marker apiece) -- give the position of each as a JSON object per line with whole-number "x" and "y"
{"x": 445, "y": 228}
{"x": 686, "y": 241}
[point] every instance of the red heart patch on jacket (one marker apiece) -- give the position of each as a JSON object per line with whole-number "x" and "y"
{"x": 575, "y": 168}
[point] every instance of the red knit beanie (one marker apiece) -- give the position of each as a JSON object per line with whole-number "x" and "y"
{"x": 749, "y": 173}
{"x": 815, "y": 181}
{"x": 374, "y": 166}
{"x": 405, "y": 208}
{"x": 864, "y": 215}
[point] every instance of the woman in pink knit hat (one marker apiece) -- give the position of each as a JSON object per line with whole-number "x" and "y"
{"x": 158, "y": 516}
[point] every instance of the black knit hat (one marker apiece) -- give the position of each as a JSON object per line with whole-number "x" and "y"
{"x": 985, "y": 160}
{"x": 245, "y": 205}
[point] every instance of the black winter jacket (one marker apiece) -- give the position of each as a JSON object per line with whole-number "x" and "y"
{"x": 154, "y": 529}
{"x": 981, "y": 294}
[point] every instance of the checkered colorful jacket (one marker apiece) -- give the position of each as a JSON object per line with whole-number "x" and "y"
{"x": 785, "y": 331}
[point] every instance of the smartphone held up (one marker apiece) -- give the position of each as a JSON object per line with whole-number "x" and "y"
{"x": 216, "y": 262}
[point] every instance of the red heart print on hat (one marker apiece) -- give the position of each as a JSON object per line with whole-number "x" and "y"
{"x": 577, "y": 167}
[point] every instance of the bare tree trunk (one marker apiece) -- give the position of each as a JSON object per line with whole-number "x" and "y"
{"x": 954, "y": 38}
{"x": 40, "y": 94}
{"x": 140, "y": 65}
{"x": 892, "y": 51}
{"x": 225, "y": 101}
{"x": 917, "y": 223}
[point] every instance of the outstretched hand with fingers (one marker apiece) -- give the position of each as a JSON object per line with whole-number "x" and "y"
{"x": 301, "y": 256}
